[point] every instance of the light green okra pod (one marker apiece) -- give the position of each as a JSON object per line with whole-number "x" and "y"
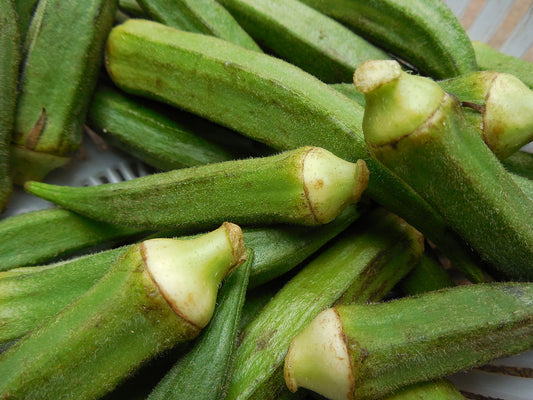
{"x": 40, "y": 236}
{"x": 304, "y": 37}
{"x": 159, "y": 293}
{"x": 425, "y": 33}
{"x": 436, "y": 390}
{"x": 59, "y": 73}
{"x": 202, "y": 374}
{"x": 9, "y": 67}
{"x": 368, "y": 351}
{"x": 490, "y": 59}
{"x": 362, "y": 265}
{"x": 308, "y": 186}
{"x": 268, "y": 100}
{"x": 208, "y": 17}
{"x": 419, "y": 131}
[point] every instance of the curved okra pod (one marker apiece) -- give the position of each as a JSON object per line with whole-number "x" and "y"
{"x": 9, "y": 68}
{"x": 208, "y": 17}
{"x": 164, "y": 142}
{"x": 190, "y": 378}
{"x": 40, "y": 236}
{"x": 158, "y": 293}
{"x": 490, "y": 59}
{"x": 368, "y": 351}
{"x": 498, "y": 105}
{"x": 268, "y": 100}
{"x": 308, "y": 186}
{"x": 362, "y": 265}
{"x": 312, "y": 41}
{"x": 49, "y": 117}
{"x": 413, "y": 127}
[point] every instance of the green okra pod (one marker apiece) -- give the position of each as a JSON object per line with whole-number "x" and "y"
{"x": 498, "y": 105}
{"x": 24, "y": 9}
{"x": 204, "y": 371}
{"x": 166, "y": 143}
{"x": 10, "y": 48}
{"x": 208, "y": 17}
{"x": 158, "y": 293}
{"x": 440, "y": 389}
{"x": 520, "y": 163}
{"x": 40, "y": 236}
{"x": 308, "y": 186}
{"x": 59, "y": 73}
{"x": 416, "y": 129}
{"x": 304, "y": 37}
{"x": 362, "y": 265}
{"x": 254, "y": 93}
{"x": 490, "y": 59}
{"x": 132, "y": 9}
{"x": 368, "y": 351}
{"x": 425, "y": 33}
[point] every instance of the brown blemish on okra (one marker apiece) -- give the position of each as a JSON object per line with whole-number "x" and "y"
{"x": 35, "y": 133}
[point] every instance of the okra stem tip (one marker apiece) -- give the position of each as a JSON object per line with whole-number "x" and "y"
{"x": 373, "y": 74}
{"x": 318, "y": 359}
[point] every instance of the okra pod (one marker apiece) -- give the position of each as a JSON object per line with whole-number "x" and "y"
{"x": 490, "y": 59}
{"x": 158, "y": 293}
{"x": 49, "y": 117}
{"x": 208, "y": 17}
{"x": 368, "y": 351}
{"x": 425, "y": 33}
{"x": 416, "y": 129}
{"x": 520, "y": 163}
{"x": 440, "y": 389}
{"x": 304, "y": 37}
{"x": 364, "y": 264}
{"x": 132, "y": 9}
{"x": 308, "y": 186}
{"x": 10, "y": 48}
{"x": 190, "y": 378}
{"x": 252, "y": 93}
{"x": 24, "y": 9}
{"x": 499, "y": 106}
{"x": 40, "y": 236}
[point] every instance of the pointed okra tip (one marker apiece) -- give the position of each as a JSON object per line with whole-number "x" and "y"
{"x": 397, "y": 102}
{"x": 331, "y": 183}
{"x": 318, "y": 359}
{"x": 188, "y": 272}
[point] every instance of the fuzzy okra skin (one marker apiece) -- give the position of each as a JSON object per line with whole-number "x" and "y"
{"x": 268, "y": 100}
{"x": 308, "y": 186}
{"x": 157, "y": 294}
{"x": 440, "y": 389}
{"x": 9, "y": 66}
{"x": 190, "y": 378}
{"x": 39, "y": 236}
{"x": 312, "y": 41}
{"x": 208, "y": 17}
{"x": 424, "y": 33}
{"x": 499, "y": 106}
{"x": 490, "y": 59}
{"x": 412, "y": 126}
{"x": 362, "y": 265}
{"x": 380, "y": 348}
{"x": 58, "y": 76}
{"x": 520, "y": 163}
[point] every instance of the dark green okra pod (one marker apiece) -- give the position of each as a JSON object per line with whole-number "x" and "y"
{"x": 499, "y": 106}
{"x": 425, "y": 33}
{"x": 268, "y": 100}
{"x": 40, "y": 236}
{"x": 204, "y": 371}
{"x": 368, "y": 351}
{"x": 490, "y": 59}
{"x": 10, "y": 48}
{"x": 208, "y": 17}
{"x": 520, "y": 163}
{"x": 304, "y": 37}
{"x": 362, "y": 265}
{"x": 59, "y": 73}
{"x": 413, "y": 127}
{"x": 308, "y": 186}
{"x": 158, "y": 293}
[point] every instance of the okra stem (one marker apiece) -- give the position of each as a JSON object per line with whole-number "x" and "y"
{"x": 308, "y": 186}
{"x": 159, "y": 293}
{"x": 416, "y": 129}
{"x": 380, "y": 348}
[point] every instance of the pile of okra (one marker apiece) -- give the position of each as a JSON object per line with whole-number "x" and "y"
{"x": 339, "y": 203}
